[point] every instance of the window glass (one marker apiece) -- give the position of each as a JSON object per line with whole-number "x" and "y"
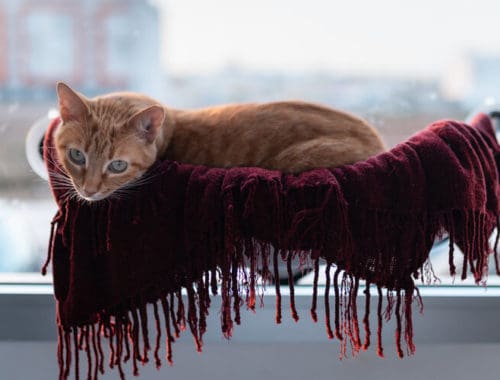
{"x": 45, "y": 41}
{"x": 118, "y": 37}
{"x": 398, "y": 65}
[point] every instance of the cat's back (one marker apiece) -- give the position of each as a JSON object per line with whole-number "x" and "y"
{"x": 283, "y": 115}
{"x": 261, "y": 134}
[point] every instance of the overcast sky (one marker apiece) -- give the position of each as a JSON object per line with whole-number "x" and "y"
{"x": 384, "y": 36}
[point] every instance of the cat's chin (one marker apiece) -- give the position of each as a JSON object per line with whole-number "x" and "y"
{"x": 93, "y": 198}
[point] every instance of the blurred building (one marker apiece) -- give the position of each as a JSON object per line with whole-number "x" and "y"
{"x": 473, "y": 79}
{"x": 94, "y": 45}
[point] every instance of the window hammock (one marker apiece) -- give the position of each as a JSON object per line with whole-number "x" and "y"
{"x": 194, "y": 232}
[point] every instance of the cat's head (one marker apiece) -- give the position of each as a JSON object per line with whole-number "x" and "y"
{"x": 106, "y": 143}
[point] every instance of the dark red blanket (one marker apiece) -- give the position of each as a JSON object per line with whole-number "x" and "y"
{"x": 193, "y": 230}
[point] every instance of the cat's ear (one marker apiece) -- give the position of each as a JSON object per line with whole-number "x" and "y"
{"x": 72, "y": 106}
{"x": 147, "y": 123}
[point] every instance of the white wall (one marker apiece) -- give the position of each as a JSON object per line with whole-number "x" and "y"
{"x": 456, "y": 338}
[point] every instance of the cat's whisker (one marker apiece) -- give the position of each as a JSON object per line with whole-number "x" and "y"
{"x": 56, "y": 178}
{"x": 125, "y": 192}
{"x": 68, "y": 195}
{"x": 61, "y": 185}
{"x": 119, "y": 194}
{"x": 59, "y": 177}
{"x": 50, "y": 158}
{"x": 58, "y": 173}
{"x": 60, "y": 182}
{"x": 145, "y": 179}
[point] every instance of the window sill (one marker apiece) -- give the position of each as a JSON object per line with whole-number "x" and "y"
{"x": 465, "y": 314}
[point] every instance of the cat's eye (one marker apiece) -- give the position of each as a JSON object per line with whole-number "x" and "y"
{"x": 76, "y": 156}
{"x": 117, "y": 166}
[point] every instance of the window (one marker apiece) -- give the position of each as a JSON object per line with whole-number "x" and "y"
{"x": 399, "y": 74}
{"x": 400, "y": 65}
{"x": 48, "y": 36}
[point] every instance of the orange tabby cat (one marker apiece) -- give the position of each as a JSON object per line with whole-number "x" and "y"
{"x": 107, "y": 143}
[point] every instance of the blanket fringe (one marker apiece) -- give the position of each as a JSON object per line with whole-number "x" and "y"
{"x": 131, "y": 327}
{"x": 250, "y": 265}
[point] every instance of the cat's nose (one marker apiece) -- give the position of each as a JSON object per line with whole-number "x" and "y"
{"x": 90, "y": 186}
{"x": 89, "y": 191}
